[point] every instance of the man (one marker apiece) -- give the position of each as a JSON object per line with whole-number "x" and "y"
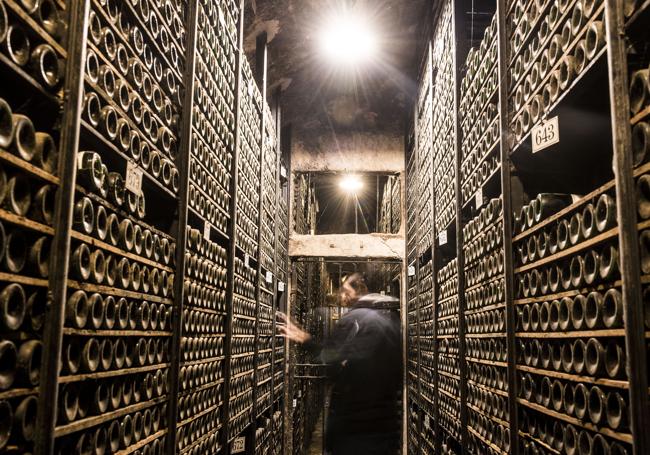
{"x": 365, "y": 358}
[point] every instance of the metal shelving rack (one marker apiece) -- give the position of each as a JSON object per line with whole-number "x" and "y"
{"x": 143, "y": 230}
{"x": 616, "y": 45}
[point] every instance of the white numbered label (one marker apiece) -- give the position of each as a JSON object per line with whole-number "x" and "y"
{"x": 269, "y": 277}
{"x": 442, "y": 238}
{"x": 133, "y": 181}
{"x": 246, "y": 260}
{"x": 206, "y": 230}
{"x": 283, "y": 172}
{"x": 239, "y": 445}
{"x": 295, "y": 402}
{"x": 479, "y": 198}
{"x": 411, "y": 270}
{"x": 545, "y": 134}
{"x": 281, "y": 286}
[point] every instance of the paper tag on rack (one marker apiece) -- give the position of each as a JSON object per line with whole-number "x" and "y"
{"x": 246, "y": 259}
{"x": 206, "y": 230}
{"x": 442, "y": 238}
{"x": 269, "y": 277}
{"x": 281, "y": 286}
{"x": 133, "y": 180}
{"x": 545, "y": 134}
{"x": 238, "y": 445}
{"x": 427, "y": 421}
{"x": 479, "y": 198}
{"x": 283, "y": 172}
{"x": 411, "y": 270}
{"x": 295, "y": 402}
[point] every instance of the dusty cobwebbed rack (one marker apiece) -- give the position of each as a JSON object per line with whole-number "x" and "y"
{"x": 424, "y": 266}
{"x": 202, "y": 369}
{"x": 390, "y": 209}
{"x": 485, "y": 315}
{"x": 412, "y": 362}
{"x": 307, "y": 395}
{"x": 33, "y": 51}
{"x": 553, "y": 333}
{"x": 125, "y": 203}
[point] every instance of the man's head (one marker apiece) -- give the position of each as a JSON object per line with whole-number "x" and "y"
{"x": 354, "y": 287}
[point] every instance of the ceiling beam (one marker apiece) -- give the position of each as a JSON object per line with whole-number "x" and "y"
{"x": 353, "y": 246}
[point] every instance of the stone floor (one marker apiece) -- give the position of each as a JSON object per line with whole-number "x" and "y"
{"x": 316, "y": 447}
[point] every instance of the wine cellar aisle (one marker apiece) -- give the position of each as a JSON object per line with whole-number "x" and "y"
{"x": 177, "y": 177}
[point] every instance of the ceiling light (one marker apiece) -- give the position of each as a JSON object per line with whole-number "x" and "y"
{"x": 351, "y": 184}
{"x": 347, "y": 39}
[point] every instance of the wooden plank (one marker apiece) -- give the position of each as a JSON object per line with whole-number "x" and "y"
{"x": 28, "y": 167}
{"x": 117, "y": 292}
{"x": 569, "y": 251}
{"x": 576, "y": 378}
{"x": 106, "y": 417}
{"x": 625, "y": 437}
{"x": 574, "y": 334}
{"x": 112, "y": 373}
{"x": 115, "y": 250}
{"x": 24, "y": 222}
{"x": 142, "y": 443}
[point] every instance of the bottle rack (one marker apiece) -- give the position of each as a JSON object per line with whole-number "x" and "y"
{"x": 413, "y": 359}
{"x": 552, "y": 341}
{"x": 389, "y": 212}
{"x": 305, "y": 397}
{"x": 29, "y": 169}
{"x": 130, "y": 218}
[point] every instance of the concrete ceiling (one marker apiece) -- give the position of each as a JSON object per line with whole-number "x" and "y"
{"x": 326, "y": 110}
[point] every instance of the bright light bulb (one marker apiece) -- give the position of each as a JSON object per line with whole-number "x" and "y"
{"x": 351, "y": 184}
{"x": 347, "y": 39}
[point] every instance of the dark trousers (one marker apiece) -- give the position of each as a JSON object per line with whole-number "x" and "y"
{"x": 364, "y": 444}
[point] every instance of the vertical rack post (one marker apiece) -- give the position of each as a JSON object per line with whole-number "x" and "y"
{"x": 278, "y": 192}
{"x": 457, "y": 49}
{"x": 185, "y": 149}
{"x": 285, "y": 147}
{"x": 260, "y": 75}
{"x": 626, "y": 211}
{"x": 507, "y": 225}
{"x": 232, "y": 231}
{"x": 78, "y": 12}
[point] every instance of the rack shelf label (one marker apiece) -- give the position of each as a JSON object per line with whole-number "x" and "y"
{"x": 479, "y": 198}
{"x": 281, "y": 286}
{"x": 545, "y": 134}
{"x": 239, "y": 445}
{"x": 442, "y": 238}
{"x": 206, "y": 230}
{"x": 269, "y": 277}
{"x": 411, "y": 270}
{"x": 133, "y": 179}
